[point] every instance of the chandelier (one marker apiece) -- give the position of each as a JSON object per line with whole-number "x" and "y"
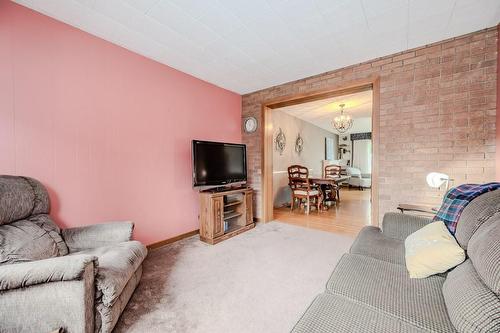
{"x": 343, "y": 122}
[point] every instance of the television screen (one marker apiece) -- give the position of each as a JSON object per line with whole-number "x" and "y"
{"x": 216, "y": 163}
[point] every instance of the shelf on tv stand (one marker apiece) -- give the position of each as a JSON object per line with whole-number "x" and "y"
{"x": 232, "y": 215}
{"x": 232, "y": 203}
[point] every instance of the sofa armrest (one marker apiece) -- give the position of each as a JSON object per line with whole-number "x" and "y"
{"x": 400, "y": 226}
{"x": 96, "y": 235}
{"x": 59, "y": 293}
{"x": 66, "y": 268}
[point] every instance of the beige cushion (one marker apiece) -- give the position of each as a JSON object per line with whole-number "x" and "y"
{"x": 303, "y": 192}
{"x": 432, "y": 250}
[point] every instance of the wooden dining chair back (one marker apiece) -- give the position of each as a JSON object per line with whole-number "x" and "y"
{"x": 333, "y": 192}
{"x": 332, "y": 170}
{"x": 298, "y": 177}
{"x": 298, "y": 180}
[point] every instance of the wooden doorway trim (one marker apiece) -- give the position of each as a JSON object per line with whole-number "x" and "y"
{"x": 371, "y": 83}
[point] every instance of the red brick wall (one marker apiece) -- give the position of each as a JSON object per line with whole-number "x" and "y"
{"x": 437, "y": 113}
{"x": 498, "y": 109}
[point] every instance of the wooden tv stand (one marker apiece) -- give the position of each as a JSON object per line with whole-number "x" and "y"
{"x": 233, "y": 206}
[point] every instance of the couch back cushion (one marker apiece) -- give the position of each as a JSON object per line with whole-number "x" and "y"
{"x": 477, "y": 212}
{"x": 26, "y": 231}
{"x": 471, "y": 305}
{"x": 484, "y": 252}
{"x": 21, "y": 197}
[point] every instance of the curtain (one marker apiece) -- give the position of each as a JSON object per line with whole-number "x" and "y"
{"x": 362, "y": 157}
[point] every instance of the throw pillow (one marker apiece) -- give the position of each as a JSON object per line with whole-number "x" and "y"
{"x": 432, "y": 250}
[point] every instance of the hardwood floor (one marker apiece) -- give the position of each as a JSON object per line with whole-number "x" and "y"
{"x": 349, "y": 215}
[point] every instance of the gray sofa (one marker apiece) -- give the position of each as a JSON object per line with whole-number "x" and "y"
{"x": 77, "y": 279}
{"x": 370, "y": 290}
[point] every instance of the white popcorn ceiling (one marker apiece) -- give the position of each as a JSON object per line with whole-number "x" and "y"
{"x": 248, "y": 45}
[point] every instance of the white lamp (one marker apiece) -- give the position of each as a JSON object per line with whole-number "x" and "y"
{"x": 436, "y": 180}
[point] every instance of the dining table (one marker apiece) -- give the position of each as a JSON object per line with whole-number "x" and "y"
{"x": 324, "y": 182}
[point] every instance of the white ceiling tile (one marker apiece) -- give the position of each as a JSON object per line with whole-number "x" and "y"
{"x": 163, "y": 34}
{"x": 88, "y": 3}
{"x": 195, "y": 8}
{"x": 246, "y": 45}
{"x": 379, "y": 7}
{"x": 219, "y": 48}
{"x": 345, "y": 23}
{"x": 310, "y": 27}
{"x": 219, "y": 19}
{"x": 327, "y": 5}
{"x": 394, "y": 19}
{"x": 246, "y": 9}
{"x": 142, "y": 5}
{"x": 421, "y": 9}
{"x": 343, "y": 14}
{"x": 471, "y": 15}
{"x": 267, "y": 25}
{"x": 176, "y": 19}
{"x": 118, "y": 11}
{"x": 419, "y": 31}
{"x": 295, "y": 10}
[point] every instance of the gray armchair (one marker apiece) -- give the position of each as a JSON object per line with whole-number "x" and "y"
{"x": 77, "y": 279}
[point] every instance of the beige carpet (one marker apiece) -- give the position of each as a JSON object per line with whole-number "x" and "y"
{"x": 260, "y": 281}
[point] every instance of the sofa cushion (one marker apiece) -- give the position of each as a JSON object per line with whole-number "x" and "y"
{"x": 34, "y": 238}
{"x": 484, "y": 252}
{"x": 400, "y": 226}
{"x": 471, "y": 305}
{"x": 117, "y": 264}
{"x": 388, "y": 288}
{"x": 21, "y": 197}
{"x": 334, "y": 313}
{"x": 371, "y": 242}
{"x": 475, "y": 214}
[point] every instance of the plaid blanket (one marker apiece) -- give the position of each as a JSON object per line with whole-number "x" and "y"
{"x": 457, "y": 198}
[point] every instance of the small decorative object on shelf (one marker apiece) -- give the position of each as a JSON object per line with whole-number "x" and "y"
{"x": 280, "y": 141}
{"x": 299, "y": 144}
{"x": 250, "y": 124}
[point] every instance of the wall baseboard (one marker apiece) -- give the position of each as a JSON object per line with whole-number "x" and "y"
{"x": 179, "y": 237}
{"x": 172, "y": 240}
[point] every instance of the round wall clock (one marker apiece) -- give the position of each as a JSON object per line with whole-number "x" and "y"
{"x": 250, "y": 124}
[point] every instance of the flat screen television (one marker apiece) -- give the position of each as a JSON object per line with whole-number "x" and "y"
{"x": 218, "y": 163}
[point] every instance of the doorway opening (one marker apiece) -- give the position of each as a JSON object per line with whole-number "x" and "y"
{"x": 299, "y": 132}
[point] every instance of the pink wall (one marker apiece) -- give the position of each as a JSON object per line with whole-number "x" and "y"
{"x": 108, "y": 131}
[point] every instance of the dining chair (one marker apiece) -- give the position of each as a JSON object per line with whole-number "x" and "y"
{"x": 298, "y": 180}
{"x": 333, "y": 192}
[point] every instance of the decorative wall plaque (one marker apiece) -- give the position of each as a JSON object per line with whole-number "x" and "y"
{"x": 280, "y": 141}
{"x": 299, "y": 144}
